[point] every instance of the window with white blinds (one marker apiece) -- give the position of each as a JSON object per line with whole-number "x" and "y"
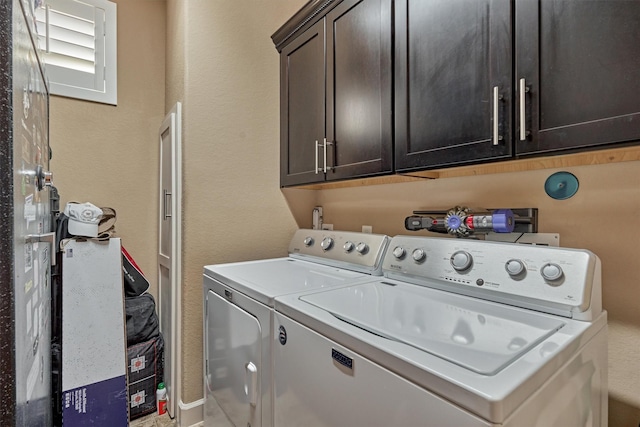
{"x": 78, "y": 41}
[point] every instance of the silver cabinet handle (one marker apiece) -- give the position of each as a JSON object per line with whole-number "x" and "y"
{"x": 166, "y": 206}
{"x": 523, "y": 110}
{"x": 325, "y": 155}
{"x": 324, "y": 167}
{"x": 326, "y": 143}
{"x": 496, "y": 115}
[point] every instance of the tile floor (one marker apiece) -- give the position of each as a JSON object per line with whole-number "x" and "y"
{"x": 214, "y": 414}
{"x": 153, "y": 420}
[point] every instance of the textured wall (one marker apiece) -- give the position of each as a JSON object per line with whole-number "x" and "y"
{"x": 602, "y": 217}
{"x": 109, "y": 155}
{"x": 232, "y": 207}
{"x": 175, "y": 50}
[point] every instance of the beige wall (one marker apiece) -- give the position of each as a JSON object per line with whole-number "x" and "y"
{"x": 602, "y": 217}
{"x": 108, "y": 155}
{"x": 175, "y": 51}
{"x": 232, "y": 207}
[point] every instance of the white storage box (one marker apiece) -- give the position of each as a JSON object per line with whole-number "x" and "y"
{"x": 94, "y": 361}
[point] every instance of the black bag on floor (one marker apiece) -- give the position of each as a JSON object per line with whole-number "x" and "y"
{"x": 142, "y": 320}
{"x": 145, "y": 372}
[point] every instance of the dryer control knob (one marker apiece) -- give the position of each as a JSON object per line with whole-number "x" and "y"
{"x": 348, "y": 246}
{"x": 461, "y": 260}
{"x": 551, "y": 271}
{"x": 419, "y": 255}
{"x": 326, "y": 243}
{"x": 362, "y": 248}
{"x": 308, "y": 241}
{"x": 514, "y": 267}
{"x": 399, "y": 252}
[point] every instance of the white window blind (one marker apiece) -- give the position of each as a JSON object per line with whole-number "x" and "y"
{"x": 78, "y": 42}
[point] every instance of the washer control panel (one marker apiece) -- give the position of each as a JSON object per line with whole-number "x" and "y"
{"x": 555, "y": 280}
{"x": 346, "y": 249}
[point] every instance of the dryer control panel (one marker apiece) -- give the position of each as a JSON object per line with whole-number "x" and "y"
{"x": 560, "y": 281}
{"x": 346, "y": 249}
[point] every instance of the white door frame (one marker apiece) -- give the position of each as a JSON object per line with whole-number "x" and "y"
{"x": 171, "y": 318}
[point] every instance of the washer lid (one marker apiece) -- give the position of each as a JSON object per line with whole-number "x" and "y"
{"x": 481, "y": 336}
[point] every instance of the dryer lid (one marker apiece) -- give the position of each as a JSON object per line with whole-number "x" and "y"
{"x": 263, "y": 280}
{"x": 478, "y": 335}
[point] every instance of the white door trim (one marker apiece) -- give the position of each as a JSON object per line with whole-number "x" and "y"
{"x": 173, "y": 261}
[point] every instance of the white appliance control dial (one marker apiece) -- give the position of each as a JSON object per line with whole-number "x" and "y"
{"x": 514, "y": 267}
{"x": 326, "y": 243}
{"x": 551, "y": 271}
{"x": 362, "y": 248}
{"x": 399, "y": 252}
{"x": 419, "y": 255}
{"x": 308, "y": 241}
{"x": 461, "y": 260}
{"x": 348, "y": 246}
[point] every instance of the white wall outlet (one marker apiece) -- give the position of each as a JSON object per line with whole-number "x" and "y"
{"x": 367, "y": 229}
{"x": 317, "y": 218}
{"x": 327, "y": 226}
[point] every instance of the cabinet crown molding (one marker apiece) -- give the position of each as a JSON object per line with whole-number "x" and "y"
{"x": 308, "y": 15}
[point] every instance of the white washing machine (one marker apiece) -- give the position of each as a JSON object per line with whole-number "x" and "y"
{"x": 238, "y": 314}
{"x": 457, "y": 333}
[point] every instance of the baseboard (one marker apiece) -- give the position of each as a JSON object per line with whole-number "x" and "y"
{"x": 190, "y": 414}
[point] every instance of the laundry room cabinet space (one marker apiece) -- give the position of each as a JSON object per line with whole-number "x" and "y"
{"x": 336, "y": 91}
{"x": 453, "y": 84}
{"x": 577, "y": 74}
{"x": 576, "y": 68}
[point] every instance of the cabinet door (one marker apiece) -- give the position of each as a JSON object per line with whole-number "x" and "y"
{"x": 581, "y": 62}
{"x": 302, "y": 107}
{"x": 359, "y": 89}
{"x": 450, "y": 55}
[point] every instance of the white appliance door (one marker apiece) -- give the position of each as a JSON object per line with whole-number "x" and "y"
{"x": 233, "y": 361}
{"x": 320, "y": 383}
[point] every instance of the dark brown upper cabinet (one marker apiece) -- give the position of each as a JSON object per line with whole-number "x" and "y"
{"x": 453, "y": 82}
{"x": 473, "y": 81}
{"x": 577, "y": 73}
{"x": 336, "y": 92}
{"x": 302, "y": 107}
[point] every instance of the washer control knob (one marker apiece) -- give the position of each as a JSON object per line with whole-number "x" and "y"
{"x": 461, "y": 260}
{"x": 348, "y": 246}
{"x": 551, "y": 271}
{"x": 514, "y": 267}
{"x": 419, "y": 255}
{"x": 326, "y": 243}
{"x": 399, "y": 252}
{"x": 362, "y": 248}
{"x": 308, "y": 241}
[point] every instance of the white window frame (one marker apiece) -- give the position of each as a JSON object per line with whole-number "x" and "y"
{"x": 98, "y": 82}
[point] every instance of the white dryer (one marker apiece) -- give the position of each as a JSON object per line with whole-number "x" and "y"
{"x": 238, "y": 314}
{"x": 456, "y": 333}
